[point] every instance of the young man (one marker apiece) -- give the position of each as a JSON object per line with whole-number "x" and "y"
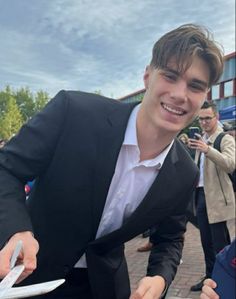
{"x": 106, "y": 172}
{"x": 215, "y": 199}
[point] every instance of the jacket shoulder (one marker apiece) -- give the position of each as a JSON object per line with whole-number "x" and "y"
{"x": 86, "y": 98}
{"x": 185, "y": 159}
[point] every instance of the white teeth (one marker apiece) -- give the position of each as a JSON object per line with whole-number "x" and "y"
{"x": 170, "y": 109}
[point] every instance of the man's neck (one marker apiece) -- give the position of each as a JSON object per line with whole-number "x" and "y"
{"x": 152, "y": 142}
{"x": 148, "y": 153}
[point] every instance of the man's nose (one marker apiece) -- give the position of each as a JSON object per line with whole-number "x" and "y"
{"x": 179, "y": 91}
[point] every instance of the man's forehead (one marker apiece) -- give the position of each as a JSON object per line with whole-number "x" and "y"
{"x": 184, "y": 65}
{"x": 207, "y": 111}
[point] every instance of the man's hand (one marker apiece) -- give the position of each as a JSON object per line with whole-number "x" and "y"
{"x": 149, "y": 288}
{"x": 198, "y": 144}
{"x": 207, "y": 290}
{"x": 26, "y": 257}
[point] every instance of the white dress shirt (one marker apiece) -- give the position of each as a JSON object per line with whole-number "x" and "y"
{"x": 130, "y": 183}
{"x": 201, "y": 165}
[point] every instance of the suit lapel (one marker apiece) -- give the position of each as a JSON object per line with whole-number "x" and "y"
{"x": 109, "y": 144}
{"x": 158, "y": 199}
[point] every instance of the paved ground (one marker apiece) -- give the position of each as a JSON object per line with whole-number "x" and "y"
{"x": 188, "y": 273}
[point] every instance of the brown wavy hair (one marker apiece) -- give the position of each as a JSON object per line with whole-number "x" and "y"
{"x": 185, "y": 43}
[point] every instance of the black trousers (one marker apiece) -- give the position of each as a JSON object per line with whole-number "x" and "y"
{"x": 76, "y": 286}
{"x": 214, "y": 237}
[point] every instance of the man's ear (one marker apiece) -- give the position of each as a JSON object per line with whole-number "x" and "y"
{"x": 146, "y": 76}
{"x": 217, "y": 116}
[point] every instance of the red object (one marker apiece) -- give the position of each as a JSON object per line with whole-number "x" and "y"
{"x": 27, "y": 189}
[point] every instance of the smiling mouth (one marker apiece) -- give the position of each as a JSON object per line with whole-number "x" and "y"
{"x": 173, "y": 110}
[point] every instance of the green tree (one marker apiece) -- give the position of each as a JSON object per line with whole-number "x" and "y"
{"x": 4, "y": 98}
{"x": 40, "y": 100}
{"x": 11, "y": 120}
{"x": 25, "y": 102}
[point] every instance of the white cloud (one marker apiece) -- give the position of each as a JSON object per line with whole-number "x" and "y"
{"x": 96, "y": 45}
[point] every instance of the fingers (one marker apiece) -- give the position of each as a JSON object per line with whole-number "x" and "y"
{"x": 149, "y": 288}
{"x": 146, "y": 295}
{"x": 208, "y": 293}
{"x": 27, "y": 255}
{"x": 207, "y": 290}
{"x": 194, "y": 142}
{"x": 198, "y": 136}
{"x": 210, "y": 282}
{"x": 5, "y": 256}
{"x": 198, "y": 145}
{"x": 29, "y": 258}
{"x": 204, "y": 296}
{"x": 141, "y": 291}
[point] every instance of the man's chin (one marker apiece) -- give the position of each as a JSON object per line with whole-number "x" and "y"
{"x": 173, "y": 130}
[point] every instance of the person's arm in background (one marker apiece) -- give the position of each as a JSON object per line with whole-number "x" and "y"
{"x": 225, "y": 159}
{"x": 208, "y": 290}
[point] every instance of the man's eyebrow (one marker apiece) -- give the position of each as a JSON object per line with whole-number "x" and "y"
{"x": 194, "y": 80}
{"x": 167, "y": 69}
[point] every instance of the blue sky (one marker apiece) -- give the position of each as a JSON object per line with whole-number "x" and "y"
{"x": 96, "y": 44}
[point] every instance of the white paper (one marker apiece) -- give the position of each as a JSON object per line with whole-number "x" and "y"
{"x": 32, "y": 290}
{"x": 9, "y": 280}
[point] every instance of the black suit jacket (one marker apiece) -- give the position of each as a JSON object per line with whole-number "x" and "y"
{"x": 71, "y": 147}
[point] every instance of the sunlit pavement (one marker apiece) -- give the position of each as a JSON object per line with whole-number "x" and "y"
{"x": 188, "y": 273}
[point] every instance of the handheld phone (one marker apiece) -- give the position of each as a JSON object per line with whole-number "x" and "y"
{"x": 193, "y": 131}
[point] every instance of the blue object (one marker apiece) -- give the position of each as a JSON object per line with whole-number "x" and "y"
{"x": 228, "y": 113}
{"x": 224, "y": 272}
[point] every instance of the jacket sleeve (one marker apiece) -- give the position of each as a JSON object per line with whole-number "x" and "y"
{"x": 24, "y": 158}
{"x": 226, "y": 158}
{"x": 168, "y": 240}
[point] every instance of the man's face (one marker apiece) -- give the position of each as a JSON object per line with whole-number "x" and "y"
{"x": 172, "y": 100}
{"x": 208, "y": 120}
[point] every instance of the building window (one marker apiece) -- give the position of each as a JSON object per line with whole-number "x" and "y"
{"x": 215, "y": 92}
{"x": 228, "y": 89}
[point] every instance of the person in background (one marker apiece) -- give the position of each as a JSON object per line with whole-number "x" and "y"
{"x": 230, "y": 129}
{"x": 215, "y": 199}
{"x": 149, "y": 244}
{"x": 184, "y": 138}
{"x": 223, "y": 285}
{"x": 2, "y": 143}
{"x": 105, "y": 172}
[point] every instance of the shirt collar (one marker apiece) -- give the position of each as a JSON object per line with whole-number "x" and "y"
{"x": 131, "y": 139}
{"x": 131, "y": 133}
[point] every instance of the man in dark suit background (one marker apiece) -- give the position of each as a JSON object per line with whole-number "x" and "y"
{"x": 106, "y": 172}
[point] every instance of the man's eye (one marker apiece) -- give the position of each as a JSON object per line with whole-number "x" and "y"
{"x": 197, "y": 87}
{"x": 170, "y": 76}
